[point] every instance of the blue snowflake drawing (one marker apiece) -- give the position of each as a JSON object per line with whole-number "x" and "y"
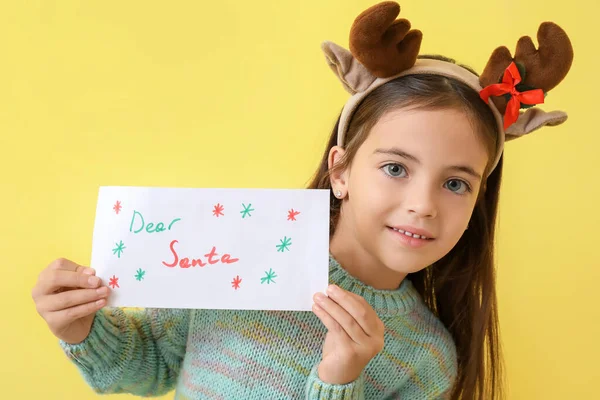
{"x": 269, "y": 277}
{"x": 246, "y": 211}
{"x": 119, "y": 249}
{"x": 140, "y": 274}
{"x": 285, "y": 244}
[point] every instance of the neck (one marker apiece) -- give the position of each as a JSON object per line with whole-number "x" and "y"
{"x": 362, "y": 265}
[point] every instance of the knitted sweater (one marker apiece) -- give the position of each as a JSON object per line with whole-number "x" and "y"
{"x": 260, "y": 355}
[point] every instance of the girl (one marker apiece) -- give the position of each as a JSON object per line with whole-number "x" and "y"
{"x": 414, "y": 164}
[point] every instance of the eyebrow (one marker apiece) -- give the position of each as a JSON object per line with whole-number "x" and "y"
{"x": 401, "y": 153}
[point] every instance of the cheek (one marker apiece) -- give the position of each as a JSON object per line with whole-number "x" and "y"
{"x": 456, "y": 218}
{"x": 372, "y": 194}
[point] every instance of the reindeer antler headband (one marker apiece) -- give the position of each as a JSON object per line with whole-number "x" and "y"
{"x": 383, "y": 48}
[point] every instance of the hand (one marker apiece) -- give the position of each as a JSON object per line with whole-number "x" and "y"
{"x": 67, "y": 296}
{"x": 354, "y": 337}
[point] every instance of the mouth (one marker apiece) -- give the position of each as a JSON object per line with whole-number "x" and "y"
{"x": 413, "y": 233}
{"x": 410, "y": 238}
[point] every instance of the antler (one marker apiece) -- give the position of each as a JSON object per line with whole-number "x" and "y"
{"x": 545, "y": 67}
{"x": 384, "y": 45}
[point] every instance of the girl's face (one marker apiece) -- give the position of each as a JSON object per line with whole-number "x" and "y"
{"x": 418, "y": 172}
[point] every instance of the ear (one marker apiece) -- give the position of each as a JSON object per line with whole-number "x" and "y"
{"x": 338, "y": 178}
{"x": 353, "y": 75}
{"x": 533, "y": 119}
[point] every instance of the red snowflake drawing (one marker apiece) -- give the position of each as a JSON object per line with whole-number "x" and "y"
{"x": 117, "y": 207}
{"x": 236, "y": 282}
{"x": 114, "y": 282}
{"x": 292, "y": 215}
{"x": 218, "y": 210}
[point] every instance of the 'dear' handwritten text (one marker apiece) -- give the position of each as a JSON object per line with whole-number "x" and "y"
{"x": 185, "y": 262}
{"x": 150, "y": 228}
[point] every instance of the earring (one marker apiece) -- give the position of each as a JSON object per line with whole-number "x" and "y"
{"x": 338, "y": 194}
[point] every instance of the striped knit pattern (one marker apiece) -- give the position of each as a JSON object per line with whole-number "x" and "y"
{"x": 229, "y": 354}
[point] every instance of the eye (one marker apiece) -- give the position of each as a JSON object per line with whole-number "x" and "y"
{"x": 394, "y": 170}
{"x": 457, "y": 186}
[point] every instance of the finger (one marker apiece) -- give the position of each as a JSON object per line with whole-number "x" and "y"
{"x": 56, "y": 279}
{"x": 342, "y": 317}
{"x": 68, "y": 265}
{"x": 331, "y": 324}
{"x": 71, "y": 298}
{"x": 358, "y": 308}
{"x": 68, "y": 315}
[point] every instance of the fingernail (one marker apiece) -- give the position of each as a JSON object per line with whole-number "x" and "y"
{"x": 100, "y": 302}
{"x": 102, "y": 291}
{"x": 88, "y": 271}
{"x": 332, "y": 289}
{"x": 320, "y": 297}
{"x": 93, "y": 280}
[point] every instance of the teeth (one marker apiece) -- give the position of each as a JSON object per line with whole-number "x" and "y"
{"x": 410, "y": 234}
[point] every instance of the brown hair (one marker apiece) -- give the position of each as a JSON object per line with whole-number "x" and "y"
{"x": 460, "y": 287}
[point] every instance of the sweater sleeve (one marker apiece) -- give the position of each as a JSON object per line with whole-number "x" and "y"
{"x": 316, "y": 389}
{"x": 137, "y": 351}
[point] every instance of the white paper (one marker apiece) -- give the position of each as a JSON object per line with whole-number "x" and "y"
{"x": 278, "y": 250}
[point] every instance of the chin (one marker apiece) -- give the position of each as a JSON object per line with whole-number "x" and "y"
{"x": 403, "y": 263}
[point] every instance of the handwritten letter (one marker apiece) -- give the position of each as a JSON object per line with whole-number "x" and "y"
{"x": 265, "y": 249}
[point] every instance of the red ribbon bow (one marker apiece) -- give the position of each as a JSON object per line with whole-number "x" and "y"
{"x": 511, "y": 79}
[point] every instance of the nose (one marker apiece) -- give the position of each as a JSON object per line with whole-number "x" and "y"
{"x": 420, "y": 200}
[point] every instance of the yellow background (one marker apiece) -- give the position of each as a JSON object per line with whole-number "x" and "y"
{"x": 225, "y": 93}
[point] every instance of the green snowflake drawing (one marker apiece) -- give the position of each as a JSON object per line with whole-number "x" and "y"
{"x": 269, "y": 277}
{"x": 286, "y": 242}
{"x": 119, "y": 249}
{"x": 140, "y": 274}
{"x": 246, "y": 210}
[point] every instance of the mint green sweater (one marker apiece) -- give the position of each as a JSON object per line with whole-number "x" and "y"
{"x": 260, "y": 355}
